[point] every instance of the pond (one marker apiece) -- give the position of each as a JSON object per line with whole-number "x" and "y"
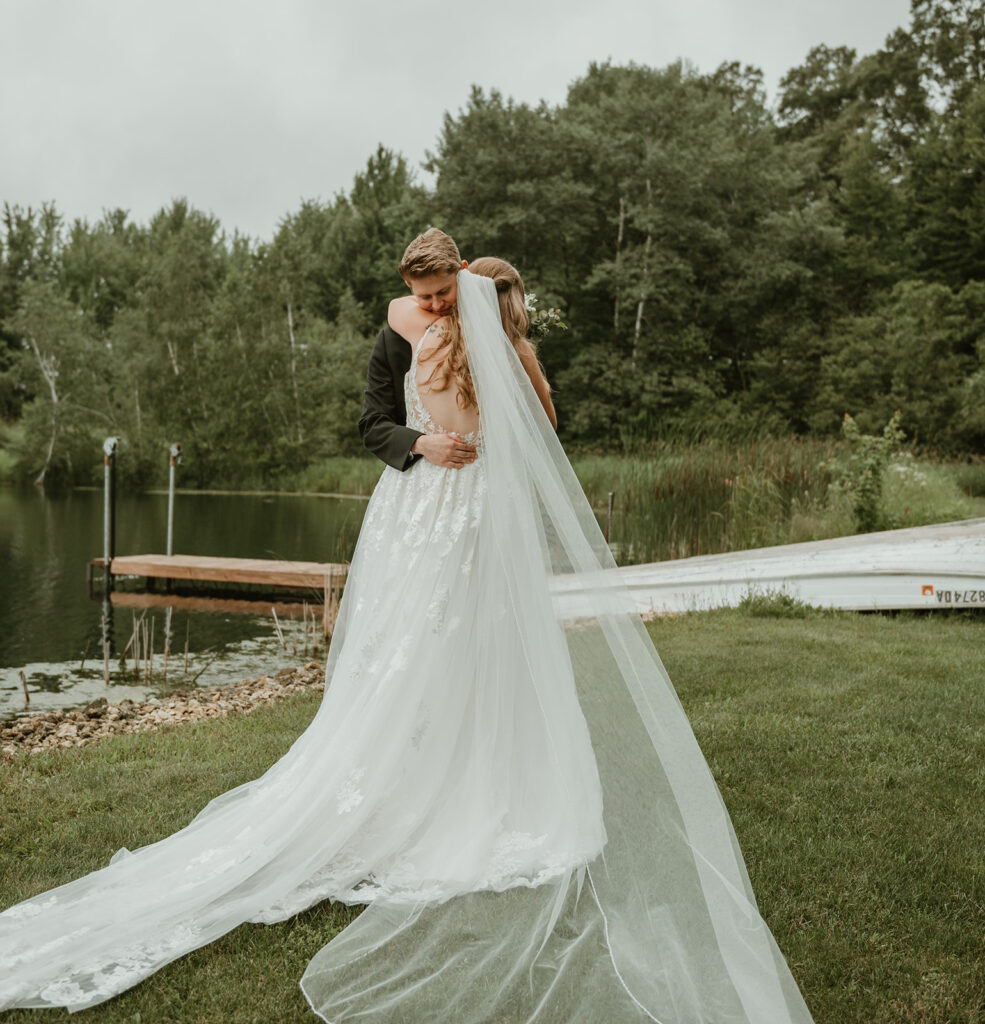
{"x": 51, "y": 627}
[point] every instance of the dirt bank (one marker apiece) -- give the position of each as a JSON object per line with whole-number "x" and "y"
{"x": 79, "y": 726}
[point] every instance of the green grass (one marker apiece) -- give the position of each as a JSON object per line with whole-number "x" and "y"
{"x": 339, "y": 475}
{"x": 685, "y": 499}
{"x": 848, "y": 749}
{"x": 918, "y": 492}
{"x": 774, "y": 604}
{"x": 971, "y": 479}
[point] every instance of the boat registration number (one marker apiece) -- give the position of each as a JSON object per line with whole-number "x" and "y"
{"x": 960, "y": 597}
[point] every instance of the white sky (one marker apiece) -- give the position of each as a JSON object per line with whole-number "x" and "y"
{"x": 248, "y": 106}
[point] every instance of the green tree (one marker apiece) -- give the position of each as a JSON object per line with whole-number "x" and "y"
{"x": 101, "y": 266}
{"x": 29, "y": 249}
{"x": 701, "y": 240}
{"x": 819, "y": 105}
{"x": 950, "y": 37}
{"x": 946, "y": 197}
{"x": 67, "y": 371}
{"x": 916, "y": 351}
{"x": 183, "y": 269}
{"x": 511, "y": 181}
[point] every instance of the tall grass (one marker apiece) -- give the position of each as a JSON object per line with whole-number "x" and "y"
{"x": 918, "y": 492}
{"x": 686, "y": 498}
{"x": 971, "y": 479}
{"x": 683, "y": 499}
{"x": 340, "y": 474}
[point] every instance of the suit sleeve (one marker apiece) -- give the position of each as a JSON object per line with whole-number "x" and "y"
{"x": 378, "y": 427}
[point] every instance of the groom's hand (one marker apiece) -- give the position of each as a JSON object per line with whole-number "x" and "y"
{"x": 447, "y": 450}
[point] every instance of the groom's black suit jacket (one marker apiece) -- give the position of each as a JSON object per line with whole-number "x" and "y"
{"x": 383, "y": 424}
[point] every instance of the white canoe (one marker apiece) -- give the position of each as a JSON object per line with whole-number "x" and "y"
{"x": 940, "y": 566}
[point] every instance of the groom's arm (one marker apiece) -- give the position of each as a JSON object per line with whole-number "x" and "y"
{"x": 379, "y": 428}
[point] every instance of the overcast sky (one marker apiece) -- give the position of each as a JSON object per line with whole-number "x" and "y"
{"x": 248, "y": 106}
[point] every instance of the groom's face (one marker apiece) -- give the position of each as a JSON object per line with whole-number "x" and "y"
{"x": 435, "y": 293}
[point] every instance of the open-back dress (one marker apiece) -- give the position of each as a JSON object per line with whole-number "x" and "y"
{"x": 499, "y": 769}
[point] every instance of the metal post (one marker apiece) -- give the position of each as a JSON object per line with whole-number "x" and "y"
{"x": 109, "y": 508}
{"x": 106, "y": 634}
{"x": 168, "y": 634}
{"x": 174, "y": 459}
{"x": 608, "y": 516}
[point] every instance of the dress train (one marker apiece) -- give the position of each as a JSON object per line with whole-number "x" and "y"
{"x": 515, "y": 793}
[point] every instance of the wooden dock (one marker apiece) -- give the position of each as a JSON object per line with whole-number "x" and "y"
{"x": 207, "y": 572}
{"x": 266, "y": 572}
{"x": 140, "y": 599}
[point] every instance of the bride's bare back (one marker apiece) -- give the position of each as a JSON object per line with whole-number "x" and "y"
{"x": 425, "y": 332}
{"x": 443, "y": 404}
{"x": 411, "y": 322}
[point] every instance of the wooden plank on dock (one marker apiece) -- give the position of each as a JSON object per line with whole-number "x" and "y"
{"x": 210, "y": 569}
{"x": 186, "y": 603}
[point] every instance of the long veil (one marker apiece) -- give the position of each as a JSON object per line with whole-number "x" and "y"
{"x": 663, "y": 924}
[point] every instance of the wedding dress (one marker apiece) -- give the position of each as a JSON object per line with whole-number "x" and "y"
{"x": 507, "y": 780}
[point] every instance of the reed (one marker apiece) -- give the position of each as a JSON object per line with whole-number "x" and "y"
{"x": 685, "y": 498}
{"x": 337, "y": 475}
{"x": 971, "y": 479}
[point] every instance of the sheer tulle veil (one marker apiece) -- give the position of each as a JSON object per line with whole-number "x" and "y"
{"x": 651, "y": 918}
{"x": 663, "y": 925}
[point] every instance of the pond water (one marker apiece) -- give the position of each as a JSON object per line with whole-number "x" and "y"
{"x": 51, "y": 628}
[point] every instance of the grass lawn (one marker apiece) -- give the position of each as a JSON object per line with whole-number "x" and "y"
{"x": 849, "y": 750}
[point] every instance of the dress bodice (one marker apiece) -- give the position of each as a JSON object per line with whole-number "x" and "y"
{"x": 418, "y": 415}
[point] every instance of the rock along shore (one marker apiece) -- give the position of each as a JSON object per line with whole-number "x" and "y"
{"x": 78, "y": 726}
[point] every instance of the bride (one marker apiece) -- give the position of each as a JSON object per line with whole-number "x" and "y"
{"x": 500, "y": 769}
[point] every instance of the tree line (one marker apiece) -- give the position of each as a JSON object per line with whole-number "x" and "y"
{"x": 726, "y": 264}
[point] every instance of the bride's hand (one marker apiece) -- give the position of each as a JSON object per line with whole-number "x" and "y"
{"x": 448, "y": 450}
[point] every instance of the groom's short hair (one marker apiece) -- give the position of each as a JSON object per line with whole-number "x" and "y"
{"x": 434, "y": 252}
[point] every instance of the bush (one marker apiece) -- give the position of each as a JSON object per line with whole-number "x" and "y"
{"x": 773, "y": 604}
{"x": 864, "y": 474}
{"x": 971, "y": 479}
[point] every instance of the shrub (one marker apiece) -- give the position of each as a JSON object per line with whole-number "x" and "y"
{"x": 864, "y": 474}
{"x": 773, "y": 604}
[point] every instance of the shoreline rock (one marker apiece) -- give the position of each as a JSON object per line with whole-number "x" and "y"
{"x": 77, "y": 727}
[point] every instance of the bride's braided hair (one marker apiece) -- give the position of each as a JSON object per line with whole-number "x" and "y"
{"x": 512, "y": 299}
{"x": 509, "y": 291}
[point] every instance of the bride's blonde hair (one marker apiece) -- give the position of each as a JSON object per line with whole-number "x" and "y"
{"x": 434, "y": 252}
{"x": 510, "y": 292}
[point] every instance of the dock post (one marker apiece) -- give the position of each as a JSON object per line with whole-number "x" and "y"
{"x": 608, "y": 516}
{"x": 106, "y": 634}
{"x": 109, "y": 508}
{"x": 330, "y": 610}
{"x": 173, "y": 460}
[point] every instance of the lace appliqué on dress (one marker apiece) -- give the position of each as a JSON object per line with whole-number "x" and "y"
{"x": 349, "y": 796}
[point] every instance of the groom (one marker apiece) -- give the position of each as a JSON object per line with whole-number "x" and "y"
{"x": 429, "y": 267}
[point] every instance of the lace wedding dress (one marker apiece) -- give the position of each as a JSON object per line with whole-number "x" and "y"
{"x": 514, "y": 792}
